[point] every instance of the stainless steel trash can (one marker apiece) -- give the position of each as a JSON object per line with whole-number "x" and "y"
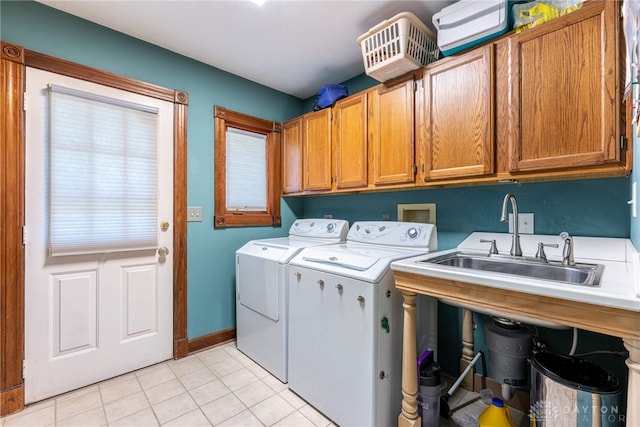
{"x": 571, "y": 391}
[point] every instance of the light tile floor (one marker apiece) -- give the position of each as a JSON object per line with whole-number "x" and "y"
{"x": 216, "y": 387}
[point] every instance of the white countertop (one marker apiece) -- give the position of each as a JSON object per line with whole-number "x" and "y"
{"x": 619, "y": 285}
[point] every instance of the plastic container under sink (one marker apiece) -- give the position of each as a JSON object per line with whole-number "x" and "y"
{"x": 431, "y": 386}
{"x": 496, "y": 415}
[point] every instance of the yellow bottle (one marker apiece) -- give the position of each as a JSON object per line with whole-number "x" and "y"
{"x": 496, "y": 415}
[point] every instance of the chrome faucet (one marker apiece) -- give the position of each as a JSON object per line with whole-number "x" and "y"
{"x": 567, "y": 250}
{"x": 516, "y": 250}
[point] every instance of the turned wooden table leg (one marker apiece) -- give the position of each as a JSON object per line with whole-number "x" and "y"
{"x": 409, "y": 416}
{"x": 467, "y": 348}
{"x": 633, "y": 387}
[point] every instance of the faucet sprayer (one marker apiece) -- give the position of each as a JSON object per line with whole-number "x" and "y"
{"x": 567, "y": 250}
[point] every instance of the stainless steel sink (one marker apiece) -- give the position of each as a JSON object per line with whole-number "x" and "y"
{"x": 578, "y": 274}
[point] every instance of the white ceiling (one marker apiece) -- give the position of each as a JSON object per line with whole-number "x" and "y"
{"x": 294, "y": 46}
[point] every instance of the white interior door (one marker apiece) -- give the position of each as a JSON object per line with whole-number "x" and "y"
{"x": 89, "y": 317}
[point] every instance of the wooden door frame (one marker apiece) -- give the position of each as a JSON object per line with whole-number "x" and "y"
{"x": 13, "y": 60}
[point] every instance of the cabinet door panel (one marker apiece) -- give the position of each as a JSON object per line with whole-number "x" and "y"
{"x": 350, "y": 141}
{"x": 391, "y": 129}
{"x": 292, "y": 156}
{"x": 567, "y": 101}
{"x": 459, "y": 119}
{"x": 317, "y": 150}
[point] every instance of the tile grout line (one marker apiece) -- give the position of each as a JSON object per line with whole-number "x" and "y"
{"x": 147, "y": 398}
{"x": 104, "y": 407}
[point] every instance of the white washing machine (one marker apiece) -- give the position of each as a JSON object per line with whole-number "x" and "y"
{"x": 346, "y": 321}
{"x": 262, "y": 289}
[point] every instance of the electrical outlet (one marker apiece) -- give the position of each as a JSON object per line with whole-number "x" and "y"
{"x": 525, "y": 223}
{"x": 194, "y": 214}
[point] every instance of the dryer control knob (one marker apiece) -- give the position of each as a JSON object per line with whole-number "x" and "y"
{"x": 412, "y": 232}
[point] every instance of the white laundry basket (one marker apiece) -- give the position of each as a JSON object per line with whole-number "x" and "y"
{"x": 396, "y": 46}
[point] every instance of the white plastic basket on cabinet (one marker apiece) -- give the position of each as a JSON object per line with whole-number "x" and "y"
{"x": 396, "y": 46}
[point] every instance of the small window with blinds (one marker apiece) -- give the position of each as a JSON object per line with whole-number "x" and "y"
{"x": 247, "y": 172}
{"x": 246, "y": 178}
{"x": 102, "y": 174}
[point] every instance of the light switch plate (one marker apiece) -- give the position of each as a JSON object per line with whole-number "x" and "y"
{"x": 525, "y": 223}
{"x": 194, "y": 214}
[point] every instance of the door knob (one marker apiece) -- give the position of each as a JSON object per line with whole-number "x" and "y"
{"x": 163, "y": 251}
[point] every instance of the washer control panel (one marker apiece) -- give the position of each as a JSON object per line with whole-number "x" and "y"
{"x": 321, "y": 228}
{"x": 392, "y": 233}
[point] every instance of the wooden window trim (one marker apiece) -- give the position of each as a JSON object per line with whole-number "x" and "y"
{"x": 223, "y": 119}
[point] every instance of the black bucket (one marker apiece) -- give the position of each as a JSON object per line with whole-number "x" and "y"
{"x": 571, "y": 391}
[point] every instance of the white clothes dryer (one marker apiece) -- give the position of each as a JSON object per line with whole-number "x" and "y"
{"x": 346, "y": 322}
{"x": 262, "y": 289}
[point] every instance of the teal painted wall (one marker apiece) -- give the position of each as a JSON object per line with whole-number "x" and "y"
{"x": 211, "y": 274}
{"x": 635, "y": 176}
{"x": 596, "y": 207}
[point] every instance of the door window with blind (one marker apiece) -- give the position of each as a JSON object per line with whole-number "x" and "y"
{"x": 247, "y": 172}
{"x": 102, "y": 174}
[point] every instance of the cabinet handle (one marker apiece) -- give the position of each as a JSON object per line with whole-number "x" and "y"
{"x": 321, "y": 283}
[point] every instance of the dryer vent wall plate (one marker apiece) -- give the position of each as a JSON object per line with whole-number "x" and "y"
{"x": 417, "y": 212}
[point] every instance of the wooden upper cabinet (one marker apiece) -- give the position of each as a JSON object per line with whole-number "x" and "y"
{"x": 292, "y": 156}
{"x": 459, "y": 116}
{"x": 391, "y": 133}
{"x": 350, "y": 141}
{"x": 316, "y": 150}
{"x": 562, "y": 101}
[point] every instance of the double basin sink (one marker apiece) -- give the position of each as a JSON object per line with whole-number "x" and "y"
{"x": 579, "y": 274}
